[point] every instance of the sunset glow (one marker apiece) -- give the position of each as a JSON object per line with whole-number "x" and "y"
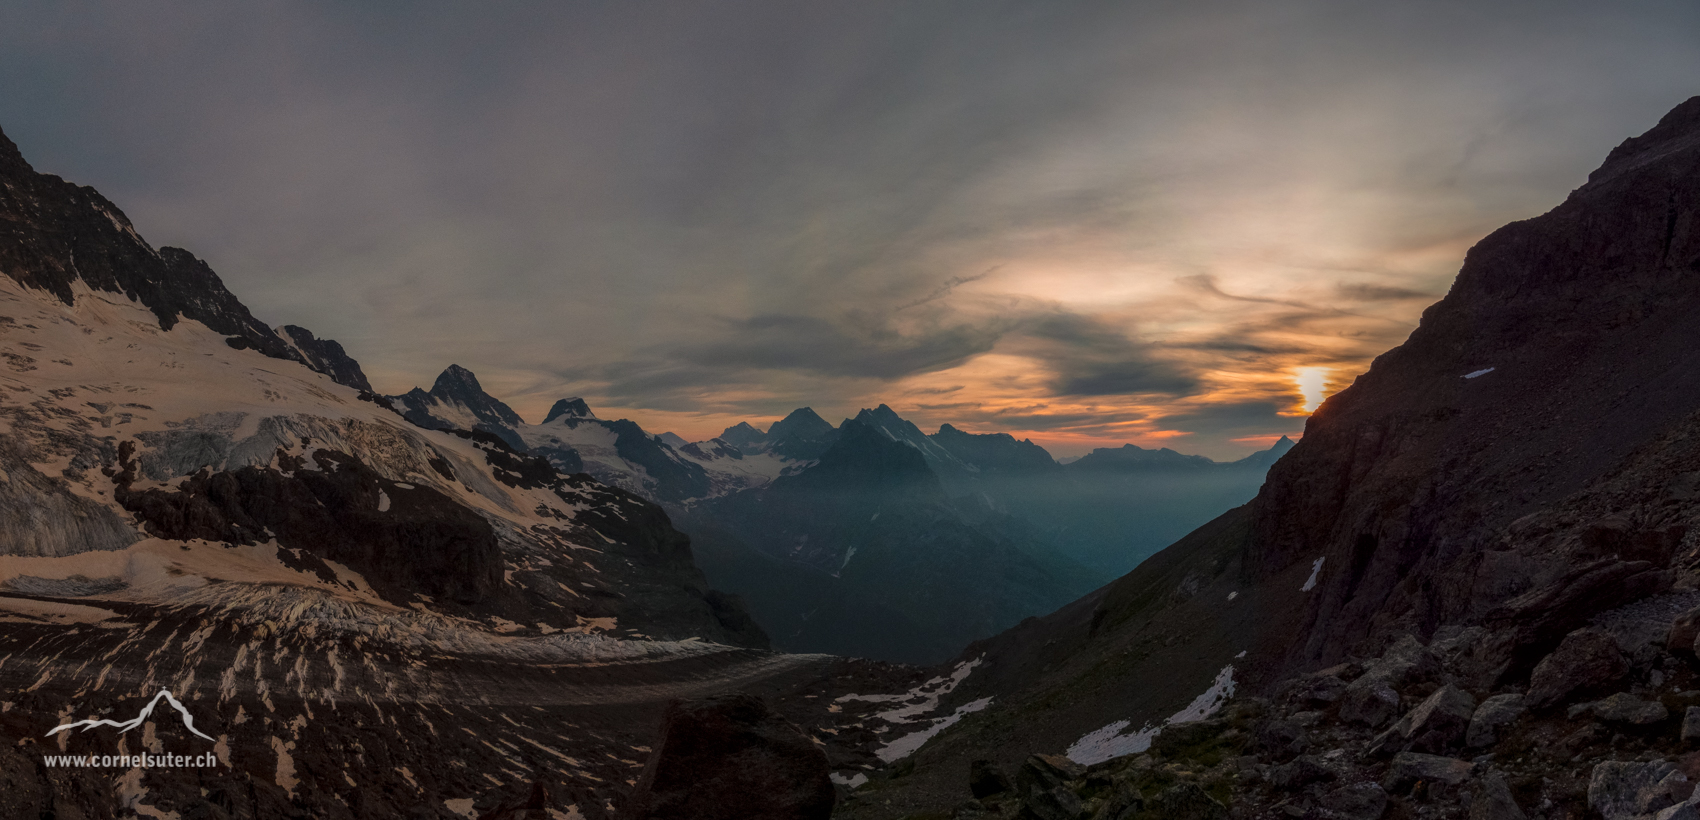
{"x": 1158, "y": 232}
{"x": 1311, "y": 382}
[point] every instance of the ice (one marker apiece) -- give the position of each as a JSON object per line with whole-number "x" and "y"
{"x": 1310, "y": 583}
{"x": 1109, "y": 742}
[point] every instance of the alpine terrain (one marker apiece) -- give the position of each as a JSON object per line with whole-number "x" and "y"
{"x": 1471, "y": 590}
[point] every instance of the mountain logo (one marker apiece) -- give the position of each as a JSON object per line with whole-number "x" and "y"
{"x": 125, "y": 726}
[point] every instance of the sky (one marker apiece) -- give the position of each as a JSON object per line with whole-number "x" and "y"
{"x": 1087, "y": 223}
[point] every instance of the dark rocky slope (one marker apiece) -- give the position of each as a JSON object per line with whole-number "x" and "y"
{"x": 1520, "y": 467}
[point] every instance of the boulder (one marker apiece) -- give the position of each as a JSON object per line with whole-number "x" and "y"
{"x": 1628, "y": 709}
{"x": 1407, "y": 661}
{"x": 1186, "y": 801}
{"x": 1439, "y": 722}
{"x": 1680, "y": 811}
{"x": 1683, "y": 632}
{"x": 1281, "y": 737}
{"x": 1042, "y": 774}
{"x": 1691, "y": 725}
{"x": 1494, "y": 713}
{"x": 1301, "y": 771}
{"x": 985, "y": 779}
{"x": 1410, "y": 767}
{"x": 1493, "y": 800}
{"x": 731, "y": 758}
{"x": 1623, "y": 790}
{"x": 1586, "y": 661}
{"x": 1059, "y": 803}
{"x": 1358, "y": 801}
{"x": 1370, "y": 701}
{"x": 1123, "y": 803}
{"x": 1318, "y": 691}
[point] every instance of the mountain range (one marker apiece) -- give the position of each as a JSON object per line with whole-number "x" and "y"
{"x": 872, "y": 538}
{"x": 1472, "y": 589}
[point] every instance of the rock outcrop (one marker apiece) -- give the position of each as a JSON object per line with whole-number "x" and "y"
{"x": 731, "y": 758}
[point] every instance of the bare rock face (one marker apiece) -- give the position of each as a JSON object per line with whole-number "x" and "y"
{"x": 1505, "y": 400}
{"x": 404, "y": 538}
{"x": 1587, "y": 661}
{"x": 732, "y": 758}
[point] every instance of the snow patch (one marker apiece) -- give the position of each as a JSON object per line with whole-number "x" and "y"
{"x": 851, "y": 782}
{"x": 383, "y": 501}
{"x": 926, "y": 696}
{"x": 1310, "y": 583}
{"x": 1483, "y": 372}
{"x": 906, "y": 745}
{"x": 1109, "y": 742}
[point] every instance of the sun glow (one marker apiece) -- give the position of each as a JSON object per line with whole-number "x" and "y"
{"x": 1311, "y": 382}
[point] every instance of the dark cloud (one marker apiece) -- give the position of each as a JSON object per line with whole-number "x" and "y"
{"x": 1088, "y": 356}
{"x": 1380, "y": 293}
{"x": 1230, "y": 419}
{"x": 1206, "y": 283}
{"x": 867, "y": 349}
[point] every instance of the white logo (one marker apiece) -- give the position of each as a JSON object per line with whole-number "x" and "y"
{"x": 188, "y": 722}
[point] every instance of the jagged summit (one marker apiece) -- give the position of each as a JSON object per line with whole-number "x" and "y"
{"x": 1678, "y": 130}
{"x": 743, "y": 435}
{"x": 573, "y": 408}
{"x": 457, "y": 401}
{"x": 325, "y": 356}
{"x": 802, "y": 423}
{"x": 59, "y": 234}
{"x": 11, "y": 159}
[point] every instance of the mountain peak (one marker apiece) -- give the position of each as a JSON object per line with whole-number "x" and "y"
{"x": 456, "y": 380}
{"x": 1677, "y": 130}
{"x": 742, "y": 435}
{"x": 325, "y": 356}
{"x": 803, "y": 423}
{"x": 573, "y": 408}
{"x": 458, "y": 386}
{"x": 11, "y": 159}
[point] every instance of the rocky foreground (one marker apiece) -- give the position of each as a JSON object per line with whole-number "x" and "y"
{"x": 1608, "y": 726}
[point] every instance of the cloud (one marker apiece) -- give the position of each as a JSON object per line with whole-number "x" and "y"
{"x": 1228, "y": 419}
{"x": 1379, "y": 293}
{"x": 842, "y": 347}
{"x": 1120, "y": 211}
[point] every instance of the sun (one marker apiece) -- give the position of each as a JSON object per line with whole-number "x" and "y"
{"x": 1311, "y": 382}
